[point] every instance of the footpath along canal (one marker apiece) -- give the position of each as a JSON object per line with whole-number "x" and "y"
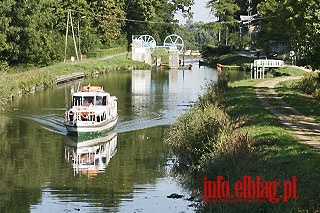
{"x": 131, "y": 167}
{"x": 304, "y": 127}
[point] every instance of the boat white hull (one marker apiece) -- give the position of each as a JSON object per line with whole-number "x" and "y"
{"x": 79, "y": 127}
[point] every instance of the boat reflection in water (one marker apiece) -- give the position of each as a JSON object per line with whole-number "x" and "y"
{"x": 90, "y": 156}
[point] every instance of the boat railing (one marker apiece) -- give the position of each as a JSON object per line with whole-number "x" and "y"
{"x": 88, "y": 114}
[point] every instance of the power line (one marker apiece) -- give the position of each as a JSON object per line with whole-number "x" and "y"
{"x": 125, "y": 19}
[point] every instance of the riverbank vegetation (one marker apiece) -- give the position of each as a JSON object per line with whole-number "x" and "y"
{"x": 255, "y": 144}
{"x": 15, "y": 82}
{"x": 295, "y": 92}
{"x": 310, "y": 84}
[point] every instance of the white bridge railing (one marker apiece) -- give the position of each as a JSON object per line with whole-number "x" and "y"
{"x": 257, "y": 67}
{"x": 268, "y": 63}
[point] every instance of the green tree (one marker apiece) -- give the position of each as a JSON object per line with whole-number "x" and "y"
{"x": 109, "y": 19}
{"x": 153, "y": 17}
{"x": 33, "y": 32}
{"x": 247, "y": 7}
{"x": 225, "y": 11}
{"x": 5, "y": 8}
{"x": 29, "y": 37}
{"x": 297, "y": 25}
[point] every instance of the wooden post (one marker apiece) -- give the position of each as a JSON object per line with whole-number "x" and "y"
{"x": 79, "y": 40}
{"x": 74, "y": 38}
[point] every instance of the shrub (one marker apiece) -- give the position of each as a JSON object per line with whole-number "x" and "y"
{"x": 216, "y": 92}
{"x": 246, "y": 67}
{"x": 216, "y": 51}
{"x": 207, "y": 131}
{"x": 310, "y": 84}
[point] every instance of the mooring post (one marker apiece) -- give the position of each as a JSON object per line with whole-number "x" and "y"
{"x": 255, "y": 72}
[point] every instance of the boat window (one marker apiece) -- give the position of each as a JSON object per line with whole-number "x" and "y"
{"x": 88, "y": 100}
{"x": 104, "y": 101}
{"x": 99, "y": 100}
{"x": 76, "y": 101}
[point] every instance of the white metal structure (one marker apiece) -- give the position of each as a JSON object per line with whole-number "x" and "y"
{"x": 174, "y": 40}
{"x": 258, "y": 67}
{"x": 268, "y": 63}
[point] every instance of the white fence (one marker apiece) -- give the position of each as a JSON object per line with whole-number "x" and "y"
{"x": 268, "y": 63}
{"x": 257, "y": 67}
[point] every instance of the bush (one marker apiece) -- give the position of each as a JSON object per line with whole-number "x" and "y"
{"x": 4, "y": 66}
{"x": 310, "y": 84}
{"x": 213, "y": 52}
{"x": 215, "y": 93}
{"x": 246, "y": 67}
{"x": 207, "y": 132}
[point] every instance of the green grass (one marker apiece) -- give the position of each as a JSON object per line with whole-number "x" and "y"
{"x": 234, "y": 60}
{"x": 109, "y": 51}
{"x": 276, "y": 154}
{"x": 305, "y": 104}
{"x": 289, "y": 71}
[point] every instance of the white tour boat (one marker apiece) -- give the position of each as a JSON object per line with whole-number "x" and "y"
{"x": 92, "y": 110}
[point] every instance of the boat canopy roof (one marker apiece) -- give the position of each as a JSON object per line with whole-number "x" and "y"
{"x": 92, "y": 95}
{"x": 85, "y": 94}
{"x": 90, "y": 88}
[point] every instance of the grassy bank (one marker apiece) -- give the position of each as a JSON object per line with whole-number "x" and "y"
{"x": 234, "y": 60}
{"x": 266, "y": 149}
{"x": 20, "y": 82}
{"x": 294, "y": 93}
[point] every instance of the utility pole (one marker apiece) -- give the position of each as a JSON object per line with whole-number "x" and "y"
{"x": 74, "y": 38}
{"x": 79, "y": 36}
{"x": 249, "y": 15}
{"x": 66, "y": 44}
{"x": 227, "y": 36}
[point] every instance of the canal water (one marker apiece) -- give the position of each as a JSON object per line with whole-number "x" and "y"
{"x": 126, "y": 170}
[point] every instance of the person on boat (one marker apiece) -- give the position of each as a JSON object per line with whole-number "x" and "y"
{"x": 99, "y": 100}
{"x": 88, "y": 101}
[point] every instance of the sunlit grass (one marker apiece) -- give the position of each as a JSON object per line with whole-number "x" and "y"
{"x": 305, "y": 104}
{"x": 234, "y": 59}
{"x": 277, "y": 154}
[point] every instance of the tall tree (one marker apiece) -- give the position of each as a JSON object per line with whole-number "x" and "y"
{"x": 5, "y": 8}
{"x": 153, "y": 17}
{"x": 28, "y": 37}
{"x": 247, "y": 7}
{"x": 33, "y": 31}
{"x": 109, "y": 17}
{"x": 225, "y": 11}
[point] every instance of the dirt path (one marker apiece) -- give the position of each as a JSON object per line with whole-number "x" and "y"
{"x": 304, "y": 127}
{"x": 111, "y": 56}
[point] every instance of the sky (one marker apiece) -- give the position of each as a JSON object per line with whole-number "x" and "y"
{"x": 200, "y": 13}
